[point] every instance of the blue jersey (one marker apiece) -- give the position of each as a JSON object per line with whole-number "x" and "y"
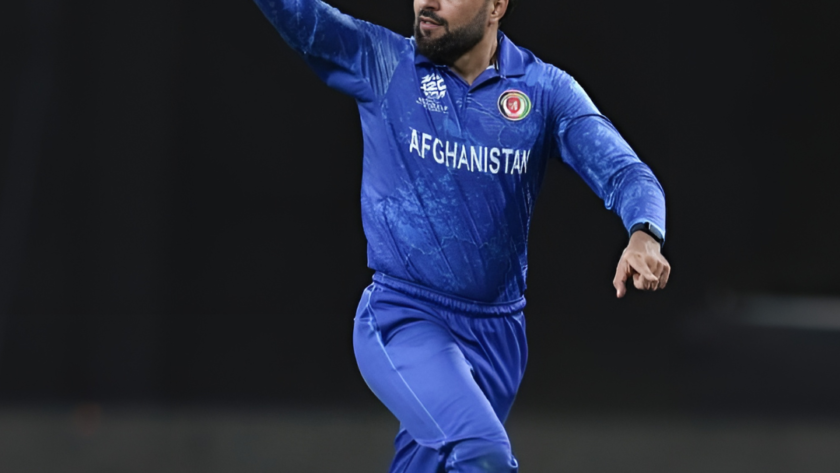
{"x": 451, "y": 171}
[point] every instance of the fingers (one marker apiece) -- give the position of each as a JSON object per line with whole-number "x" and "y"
{"x": 621, "y": 274}
{"x": 643, "y": 279}
{"x": 644, "y": 283}
{"x": 663, "y": 278}
{"x": 648, "y": 273}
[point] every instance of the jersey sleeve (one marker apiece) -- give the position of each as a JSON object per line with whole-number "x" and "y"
{"x": 589, "y": 143}
{"x": 350, "y": 55}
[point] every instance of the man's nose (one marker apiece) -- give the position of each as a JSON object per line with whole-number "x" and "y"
{"x": 433, "y": 5}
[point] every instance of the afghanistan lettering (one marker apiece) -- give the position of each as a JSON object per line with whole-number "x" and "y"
{"x": 472, "y": 158}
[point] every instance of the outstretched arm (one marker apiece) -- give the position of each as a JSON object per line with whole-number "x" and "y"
{"x": 353, "y": 56}
{"x": 591, "y": 145}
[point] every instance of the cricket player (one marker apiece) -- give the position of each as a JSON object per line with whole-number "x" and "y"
{"x": 459, "y": 124}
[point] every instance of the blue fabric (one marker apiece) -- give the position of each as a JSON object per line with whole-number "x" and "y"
{"x": 449, "y": 376}
{"x": 449, "y": 180}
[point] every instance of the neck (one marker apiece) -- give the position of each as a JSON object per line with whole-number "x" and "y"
{"x": 475, "y": 61}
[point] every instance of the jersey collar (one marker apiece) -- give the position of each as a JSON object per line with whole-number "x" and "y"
{"x": 511, "y": 62}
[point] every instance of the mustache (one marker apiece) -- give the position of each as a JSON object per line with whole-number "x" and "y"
{"x": 432, "y": 16}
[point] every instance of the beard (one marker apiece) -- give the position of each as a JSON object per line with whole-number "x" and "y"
{"x": 453, "y": 44}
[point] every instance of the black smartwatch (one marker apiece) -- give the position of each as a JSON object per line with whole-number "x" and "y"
{"x": 650, "y": 230}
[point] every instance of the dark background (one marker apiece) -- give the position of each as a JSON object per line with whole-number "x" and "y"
{"x": 180, "y": 220}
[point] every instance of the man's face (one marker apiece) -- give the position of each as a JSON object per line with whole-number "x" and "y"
{"x": 447, "y": 29}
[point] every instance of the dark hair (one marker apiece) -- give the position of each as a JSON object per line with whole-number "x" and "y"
{"x": 511, "y": 7}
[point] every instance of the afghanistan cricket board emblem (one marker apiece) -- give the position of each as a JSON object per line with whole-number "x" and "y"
{"x": 514, "y": 105}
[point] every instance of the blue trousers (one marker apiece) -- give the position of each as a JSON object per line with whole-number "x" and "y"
{"x": 448, "y": 369}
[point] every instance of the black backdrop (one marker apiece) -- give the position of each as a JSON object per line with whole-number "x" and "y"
{"x": 180, "y": 221}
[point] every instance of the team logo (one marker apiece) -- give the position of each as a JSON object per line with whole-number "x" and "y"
{"x": 514, "y": 105}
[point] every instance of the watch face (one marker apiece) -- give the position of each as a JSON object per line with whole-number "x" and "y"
{"x": 654, "y": 232}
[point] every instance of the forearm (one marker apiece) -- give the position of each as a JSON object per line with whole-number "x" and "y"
{"x": 311, "y": 27}
{"x": 638, "y": 197}
{"x": 595, "y": 149}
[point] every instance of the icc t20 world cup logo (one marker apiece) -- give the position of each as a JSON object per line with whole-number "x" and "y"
{"x": 433, "y": 86}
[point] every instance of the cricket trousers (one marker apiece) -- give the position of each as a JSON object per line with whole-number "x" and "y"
{"x": 447, "y": 368}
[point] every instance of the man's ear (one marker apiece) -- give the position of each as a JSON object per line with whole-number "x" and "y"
{"x": 499, "y": 9}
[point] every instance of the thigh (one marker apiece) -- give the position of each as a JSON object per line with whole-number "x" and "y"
{"x": 497, "y": 351}
{"x": 414, "y": 365}
{"x": 410, "y": 457}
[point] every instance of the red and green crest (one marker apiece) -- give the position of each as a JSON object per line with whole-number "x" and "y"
{"x": 514, "y": 105}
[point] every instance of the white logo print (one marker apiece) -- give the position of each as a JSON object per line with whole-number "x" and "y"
{"x": 433, "y": 86}
{"x": 435, "y": 89}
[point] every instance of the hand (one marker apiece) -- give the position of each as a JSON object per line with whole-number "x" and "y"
{"x": 643, "y": 261}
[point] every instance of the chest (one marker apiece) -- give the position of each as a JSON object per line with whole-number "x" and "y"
{"x": 493, "y": 112}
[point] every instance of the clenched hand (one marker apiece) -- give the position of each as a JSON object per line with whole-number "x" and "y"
{"x": 643, "y": 261}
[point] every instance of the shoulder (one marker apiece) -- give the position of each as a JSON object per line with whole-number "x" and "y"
{"x": 549, "y": 75}
{"x": 383, "y": 36}
{"x": 536, "y": 71}
{"x": 554, "y": 88}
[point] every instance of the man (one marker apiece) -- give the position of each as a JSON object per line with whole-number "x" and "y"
{"x": 458, "y": 126}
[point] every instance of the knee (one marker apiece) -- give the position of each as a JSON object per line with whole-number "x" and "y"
{"x": 481, "y": 456}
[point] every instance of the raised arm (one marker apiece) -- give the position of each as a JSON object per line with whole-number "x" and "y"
{"x": 591, "y": 145}
{"x": 350, "y": 55}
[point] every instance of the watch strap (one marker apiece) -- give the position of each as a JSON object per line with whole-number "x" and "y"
{"x": 650, "y": 230}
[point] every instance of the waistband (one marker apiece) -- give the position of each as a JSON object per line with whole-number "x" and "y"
{"x": 448, "y": 301}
